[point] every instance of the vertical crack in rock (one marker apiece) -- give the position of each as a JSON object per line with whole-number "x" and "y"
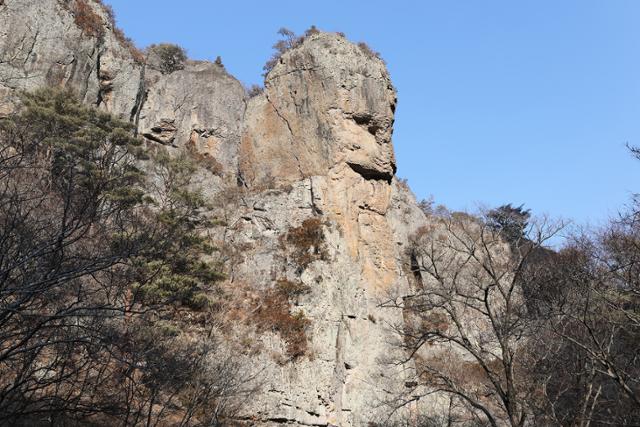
{"x": 74, "y": 68}
{"x": 415, "y": 268}
{"x": 240, "y": 181}
{"x": 141, "y": 96}
{"x": 284, "y": 119}
{"x": 244, "y": 109}
{"x": 98, "y": 71}
{"x": 314, "y": 207}
{"x": 89, "y": 74}
{"x": 339, "y": 374}
{"x": 31, "y": 48}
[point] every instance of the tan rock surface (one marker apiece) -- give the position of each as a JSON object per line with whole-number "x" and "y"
{"x": 316, "y": 144}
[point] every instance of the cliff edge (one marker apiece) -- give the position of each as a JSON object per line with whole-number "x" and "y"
{"x": 312, "y": 153}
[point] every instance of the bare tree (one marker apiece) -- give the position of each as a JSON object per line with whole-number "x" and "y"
{"x": 587, "y": 296}
{"x": 288, "y": 40}
{"x": 515, "y": 333}
{"x": 466, "y": 324}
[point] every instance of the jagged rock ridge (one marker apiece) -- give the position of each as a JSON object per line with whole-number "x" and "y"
{"x": 315, "y": 144}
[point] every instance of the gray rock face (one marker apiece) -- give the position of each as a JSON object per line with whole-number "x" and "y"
{"x": 315, "y": 144}
{"x": 199, "y": 108}
{"x": 344, "y": 378}
{"x": 42, "y": 45}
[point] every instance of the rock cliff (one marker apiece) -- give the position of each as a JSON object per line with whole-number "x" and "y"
{"x": 314, "y": 148}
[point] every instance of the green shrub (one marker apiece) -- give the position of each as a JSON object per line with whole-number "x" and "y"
{"x": 170, "y": 57}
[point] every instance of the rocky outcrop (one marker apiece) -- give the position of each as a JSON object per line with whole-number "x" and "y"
{"x": 41, "y": 44}
{"x": 199, "y": 108}
{"x": 325, "y": 105}
{"x": 315, "y": 144}
{"x": 323, "y": 127}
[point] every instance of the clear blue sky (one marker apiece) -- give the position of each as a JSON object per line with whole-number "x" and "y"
{"x": 499, "y": 101}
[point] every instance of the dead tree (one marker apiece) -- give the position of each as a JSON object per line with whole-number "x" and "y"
{"x": 466, "y": 324}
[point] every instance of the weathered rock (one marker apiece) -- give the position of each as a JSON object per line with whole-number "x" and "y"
{"x": 199, "y": 107}
{"x": 324, "y": 124}
{"x": 41, "y": 44}
{"x": 315, "y": 144}
{"x": 325, "y": 104}
{"x": 163, "y": 132}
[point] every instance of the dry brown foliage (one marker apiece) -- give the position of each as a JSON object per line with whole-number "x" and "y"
{"x": 366, "y": 49}
{"x": 204, "y": 158}
{"x": 274, "y": 314}
{"x": 270, "y": 310}
{"x": 306, "y": 242}
{"x": 87, "y": 20}
{"x": 93, "y": 25}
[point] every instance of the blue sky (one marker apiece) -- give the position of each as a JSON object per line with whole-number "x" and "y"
{"x": 499, "y": 101}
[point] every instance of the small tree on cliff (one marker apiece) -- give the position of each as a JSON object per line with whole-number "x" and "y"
{"x": 170, "y": 57}
{"x": 511, "y": 222}
{"x": 288, "y": 41}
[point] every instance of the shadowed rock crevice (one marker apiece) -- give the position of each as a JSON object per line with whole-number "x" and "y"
{"x": 371, "y": 173}
{"x": 104, "y": 81}
{"x": 367, "y": 122}
{"x": 141, "y": 96}
{"x": 163, "y": 132}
